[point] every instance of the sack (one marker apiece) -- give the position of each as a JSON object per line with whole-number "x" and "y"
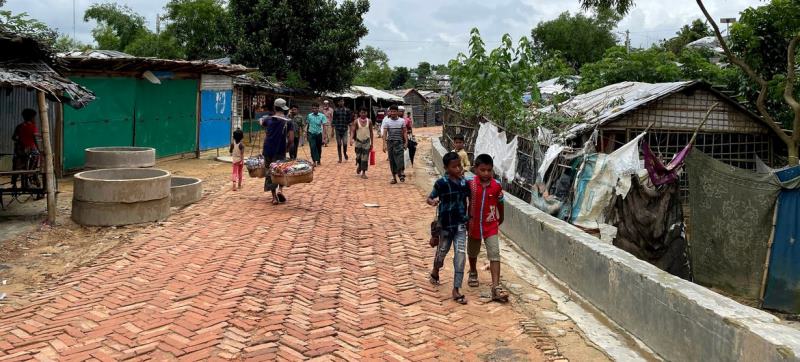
{"x": 372, "y": 157}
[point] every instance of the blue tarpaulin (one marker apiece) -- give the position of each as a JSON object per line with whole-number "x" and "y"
{"x": 783, "y": 280}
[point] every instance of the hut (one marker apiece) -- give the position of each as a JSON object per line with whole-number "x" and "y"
{"x": 434, "y": 108}
{"x": 672, "y": 111}
{"x": 367, "y": 97}
{"x": 177, "y": 107}
{"x": 253, "y": 98}
{"x": 415, "y": 103}
{"x": 29, "y": 79}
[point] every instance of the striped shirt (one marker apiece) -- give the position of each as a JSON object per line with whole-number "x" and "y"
{"x": 394, "y": 128}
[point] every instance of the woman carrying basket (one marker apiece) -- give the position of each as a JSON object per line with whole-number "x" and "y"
{"x": 279, "y": 137}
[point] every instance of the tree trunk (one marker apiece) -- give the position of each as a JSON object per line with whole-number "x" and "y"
{"x": 793, "y": 152}
{"x": 50, "y": 179}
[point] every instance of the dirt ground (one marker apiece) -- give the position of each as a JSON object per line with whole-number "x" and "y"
{"x": 32, "y": 253}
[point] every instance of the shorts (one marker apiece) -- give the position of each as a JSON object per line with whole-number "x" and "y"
{"x": 492, "y": 247}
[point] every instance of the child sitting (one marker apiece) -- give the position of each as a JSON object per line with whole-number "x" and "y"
{"x": 237, "y": 156}
{"x": 450, "y": 194}
{"x": 486, "y": 213}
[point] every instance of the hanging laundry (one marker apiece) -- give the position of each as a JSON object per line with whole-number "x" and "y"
{"x": 661, "y": 174}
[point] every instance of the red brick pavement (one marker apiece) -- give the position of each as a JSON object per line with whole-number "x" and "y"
{"x": 233, "y": 277}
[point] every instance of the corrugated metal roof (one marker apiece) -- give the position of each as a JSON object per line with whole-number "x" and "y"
{"x": 358, "y": 91}
{"x": 106, "y": 60}
{"x": 608, "y": 103}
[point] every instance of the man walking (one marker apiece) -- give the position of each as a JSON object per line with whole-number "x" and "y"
{"x": 298, "y": 125}
{"x": 279, "y": 137}
{"x": 394, "y": 142}
{"x": 342, "y": 120}
{"x": 317, "y": 125}
{"x": 328, "y": 112}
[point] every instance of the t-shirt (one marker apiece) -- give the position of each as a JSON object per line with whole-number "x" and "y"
{"x": 277, "y": 129}
{"x": 452, "y": 196}
{"x": 409, "y": 123}
{"x": 394, "y": 128}
{"x": 315, "y": 122}
{"x": 328, "y": 112}
{"x": 25, "y": 134}
{"x": 485, "y": 217}
{"x": 298, "y": 122}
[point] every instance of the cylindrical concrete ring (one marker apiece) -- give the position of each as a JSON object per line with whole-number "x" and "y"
{"x": 186, "y": 190}
{"x": 122, "y": 185}
{"x": 120, "y": 157}
{"x": 119, "y": 213}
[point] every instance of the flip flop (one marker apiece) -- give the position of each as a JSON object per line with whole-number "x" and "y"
{"x": 281, "y": 198}
{"x": 461, "y": 299}
{"x": 393, "y": 182}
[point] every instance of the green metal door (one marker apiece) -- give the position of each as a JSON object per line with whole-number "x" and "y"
{"x": 166, "y": 116}
{"x": 107, "y": 121}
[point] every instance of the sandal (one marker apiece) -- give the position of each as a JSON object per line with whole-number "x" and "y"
{"x": 473, "y": 279}
{"x": 461, "y": 299}
{"x": 281, "y": 198}
{"x": 393, "y": 182}
{"x": 275, "y": 202}
{"x": 434, "y": 279}
{"x": 403, "y": 178}
{"x": 499, "y": 294}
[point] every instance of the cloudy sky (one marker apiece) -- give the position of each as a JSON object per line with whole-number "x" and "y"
{"x": 435, "y": 30}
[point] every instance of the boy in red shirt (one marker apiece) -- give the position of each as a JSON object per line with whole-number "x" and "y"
{"x": 486, "y": 213}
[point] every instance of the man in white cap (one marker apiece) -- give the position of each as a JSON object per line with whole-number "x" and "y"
{"x": 327, "y": 110}
{"x": 279, "y": 138}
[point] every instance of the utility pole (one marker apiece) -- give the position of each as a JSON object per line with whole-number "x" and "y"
{"x": 74, "y": 16}
{"x": 628, "y": 40}
{"x": 728, "y": 22}
{"x": 158, "y": 35}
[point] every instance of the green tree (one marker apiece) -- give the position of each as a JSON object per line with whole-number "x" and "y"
{"x": 767, "y": 34}
{"x": 579, "y": 39}
{"x": 400, "y": 76}
{"x": 22, "y": 24}
{"x": 316, "y": 39}
{"x": 66, "y": 43}
{"x": 688, "y": 33}
{"x": 619, "y": 65}
{"x": 373, "y": 68}
{"x": 117, "y": 26}
{"x": 492, "y": 84}
{"x": 201, "y": 27}
{"x": 162, "y": 45}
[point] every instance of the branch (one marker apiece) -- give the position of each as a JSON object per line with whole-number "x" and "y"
{"x": 788, "y": 91}
{"x": 762, "y": 95}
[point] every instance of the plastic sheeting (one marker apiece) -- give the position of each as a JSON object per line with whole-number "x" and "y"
{"x": 731, "y": 220}
{"x": 783, "y": 281}
{"x": 597, "y": 181}
{"x": 549, "y": 156}
{"x": 492, "y": 142}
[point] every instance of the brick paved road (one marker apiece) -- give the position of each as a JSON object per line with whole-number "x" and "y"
{"x": 234, "y": 277}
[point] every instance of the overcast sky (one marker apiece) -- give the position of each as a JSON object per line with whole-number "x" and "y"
{"x": 410, "y": 31}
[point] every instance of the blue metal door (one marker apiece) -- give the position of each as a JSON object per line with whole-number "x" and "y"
{"x": 215, "y": 118}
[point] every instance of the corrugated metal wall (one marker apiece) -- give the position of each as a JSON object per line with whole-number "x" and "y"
{"x": 12, "y": 102}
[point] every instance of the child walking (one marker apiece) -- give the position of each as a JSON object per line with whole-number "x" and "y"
{"x": 237, "y": 155}
{"x": 450, "y": 193}
{"x": 486, "y": 213}
{"x": 458, "y": 145}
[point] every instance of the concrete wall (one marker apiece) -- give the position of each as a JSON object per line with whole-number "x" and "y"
{"x": 679, "y": 320}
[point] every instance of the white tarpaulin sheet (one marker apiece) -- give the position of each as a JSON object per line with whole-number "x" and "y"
{"x": 492, "y": 142}
{"x": 549, "y": 156}
{"x": 597, "y": 181}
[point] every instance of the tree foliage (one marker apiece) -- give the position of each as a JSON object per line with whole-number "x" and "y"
{"x": 22, "y": 24}
{"x": 317, "y": 40}
{"x": 620, "y": 6}
{"x": 578, "y": 38}
{"x": 373, "y": 68}
{"x": 760, "y": 38}
{"x": 492, "y": 84}
{"x": 401, "y": 77}
{"x": 202, "y": 28}
{"x": 687, "y": 34}
{"x": 66, "y": 43}
{"x": 117, "y": 26}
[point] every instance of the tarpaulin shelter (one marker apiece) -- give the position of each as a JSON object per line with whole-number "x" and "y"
{"x": 783, "y": 277}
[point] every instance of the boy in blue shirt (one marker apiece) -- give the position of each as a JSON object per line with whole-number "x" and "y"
{"x": 450, "y": 193}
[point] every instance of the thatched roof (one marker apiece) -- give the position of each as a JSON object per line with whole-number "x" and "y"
{"x": 24, "y": 62}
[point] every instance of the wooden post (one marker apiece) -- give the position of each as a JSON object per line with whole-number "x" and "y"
{"x": 50, "y": 179}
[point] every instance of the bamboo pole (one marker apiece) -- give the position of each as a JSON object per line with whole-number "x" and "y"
{"x": 50, "y": 180}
